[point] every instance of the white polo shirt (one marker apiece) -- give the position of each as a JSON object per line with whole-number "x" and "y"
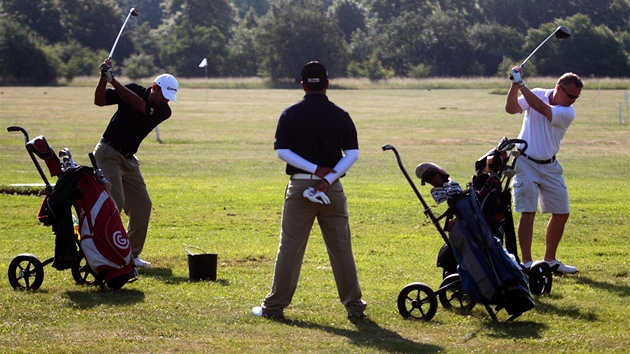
{"x": 543, "y": 136}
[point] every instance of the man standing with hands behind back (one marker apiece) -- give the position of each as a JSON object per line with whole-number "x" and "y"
{"x": 140, "y": 110}
{"x": 318, "y": 141}
{"x": 539, "y": 179}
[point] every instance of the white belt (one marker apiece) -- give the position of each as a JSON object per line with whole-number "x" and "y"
{"x": 305, "y": 176}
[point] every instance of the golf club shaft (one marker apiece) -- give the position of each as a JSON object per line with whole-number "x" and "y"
{"x": 111, "y": 53}
{"x": 540, "y": 45}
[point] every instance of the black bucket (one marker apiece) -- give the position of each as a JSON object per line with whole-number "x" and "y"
{"x": 202, "y": 266}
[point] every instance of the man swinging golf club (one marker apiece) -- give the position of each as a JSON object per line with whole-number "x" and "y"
{"x": 539, "y": 179}
{"x": 140, "y": 110}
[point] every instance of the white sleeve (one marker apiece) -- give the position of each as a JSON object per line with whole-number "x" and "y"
{"x": 348, "y": 159}
{"x": 296, "y": 160}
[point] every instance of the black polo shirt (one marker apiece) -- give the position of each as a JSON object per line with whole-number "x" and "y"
{"x": 317, "y": 130}
{"x": 128, "y": 127}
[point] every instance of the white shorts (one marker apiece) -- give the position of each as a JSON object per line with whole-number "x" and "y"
{"x": 540, "y": 183}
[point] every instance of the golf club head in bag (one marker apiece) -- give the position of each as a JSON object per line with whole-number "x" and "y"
{"x": 432, "y": 174}
{"x": 39, "y": 146}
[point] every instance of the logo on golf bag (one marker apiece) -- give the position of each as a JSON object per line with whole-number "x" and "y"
{"x": 120, "y": 240}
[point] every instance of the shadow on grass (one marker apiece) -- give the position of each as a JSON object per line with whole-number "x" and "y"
{"x": 369, "y": 334}
{"x": 122, "y": 297}
{"x": 621, "y": 290}
{"x": 573, "y": 312}
{"x": 165, "y": 275}
{"x": 514, "y": 330}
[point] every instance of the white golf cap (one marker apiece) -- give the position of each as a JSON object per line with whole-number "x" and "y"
{"x": 168, "y": 84}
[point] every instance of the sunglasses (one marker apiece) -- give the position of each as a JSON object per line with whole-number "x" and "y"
{"x": 573, "y": 97}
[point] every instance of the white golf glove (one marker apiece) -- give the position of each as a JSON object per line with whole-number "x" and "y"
{"x": 316, "y": 196}
{"x": 108, "y": 73}
{"x": 515, "y": 76}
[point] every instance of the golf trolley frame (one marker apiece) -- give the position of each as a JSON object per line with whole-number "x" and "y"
{"x": 26, "y": 271}
{"x": 418, "y": 300}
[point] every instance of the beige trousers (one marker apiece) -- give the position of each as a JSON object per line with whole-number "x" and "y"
{"x": 129, "y": 191}
{"x": 298, "y": 216}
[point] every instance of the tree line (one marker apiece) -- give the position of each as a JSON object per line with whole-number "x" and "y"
{"x": 42, "y": 41}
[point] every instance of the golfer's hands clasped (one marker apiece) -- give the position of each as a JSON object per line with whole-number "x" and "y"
{"x": 106, "y": 70}
{"x": 316, "y": 196}
{"x": 323, "y": 171}
{"x": 516, "y": 77}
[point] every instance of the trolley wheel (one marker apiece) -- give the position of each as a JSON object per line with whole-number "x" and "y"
{"x": 83, "y": 273}
{"x": 26, "y": 272}
{"x": 417, "y": 301}
{"x": 540, "y": 278}
{"x": 451, "y": 294}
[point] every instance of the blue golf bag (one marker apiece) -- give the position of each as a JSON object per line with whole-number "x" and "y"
{"x": 488, "y": 274}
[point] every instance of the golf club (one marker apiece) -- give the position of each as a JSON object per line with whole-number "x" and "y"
{"x": 561, "y": 33}
{"x": 132, "y": 12}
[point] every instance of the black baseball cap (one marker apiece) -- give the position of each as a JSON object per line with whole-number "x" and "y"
{"x": 314, "y": 75}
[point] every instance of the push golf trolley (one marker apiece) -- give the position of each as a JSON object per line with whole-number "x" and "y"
{"x": 94, "y": 245}
{"x": 476, "y": 267}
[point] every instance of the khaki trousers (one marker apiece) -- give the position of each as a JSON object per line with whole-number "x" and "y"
{"x": 298, "y": 215}
{"x": 128, "y": 191}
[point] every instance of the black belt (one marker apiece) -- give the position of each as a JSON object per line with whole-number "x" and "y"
{"x": 123, "y": 152}
{"x": 540, "y": 162}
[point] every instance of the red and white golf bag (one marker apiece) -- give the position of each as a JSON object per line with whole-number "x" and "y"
{"x": 104, "y": 241}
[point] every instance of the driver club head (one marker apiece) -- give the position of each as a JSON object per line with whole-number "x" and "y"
{"x": 562, "y": 32}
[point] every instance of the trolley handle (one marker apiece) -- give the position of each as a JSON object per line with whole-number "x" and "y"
{"x": 15, "y": 128}
{"x": 427, "y": 209}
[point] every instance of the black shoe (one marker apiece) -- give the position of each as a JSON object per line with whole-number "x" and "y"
{"x": 357, "y": 315}
{"x": 260, "y": 312}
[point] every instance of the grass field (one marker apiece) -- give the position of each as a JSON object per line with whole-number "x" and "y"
{"x": 216, "y": 184}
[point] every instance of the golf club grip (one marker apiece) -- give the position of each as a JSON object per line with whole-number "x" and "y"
{"x": 93, "y": 161}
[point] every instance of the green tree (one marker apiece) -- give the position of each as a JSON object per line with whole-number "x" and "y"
{"x": 523, "y": 15}
{"x": 95, "y": 24}
{"x": 78, "y": 60}
{"x": 150, "y": 11}
{"x": 350, "y": 16}
{"x": 242, "y": 54}
{"x": 384, "y": 11}
{"x": 205, "y": 13}
{"x": 139, "y": 66}
{"x": 260, "y": 7}
{"x": 23, "y": 56}
{"x": 399, "y": 44}
{"x": 189, "y": 45}
{"x": 447, "y": 46}
{"x": 591, "y": 50}
{"x": 41, "y": 16}
{"x": 491, "y": 43}
{"x": 294, "y": 32}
